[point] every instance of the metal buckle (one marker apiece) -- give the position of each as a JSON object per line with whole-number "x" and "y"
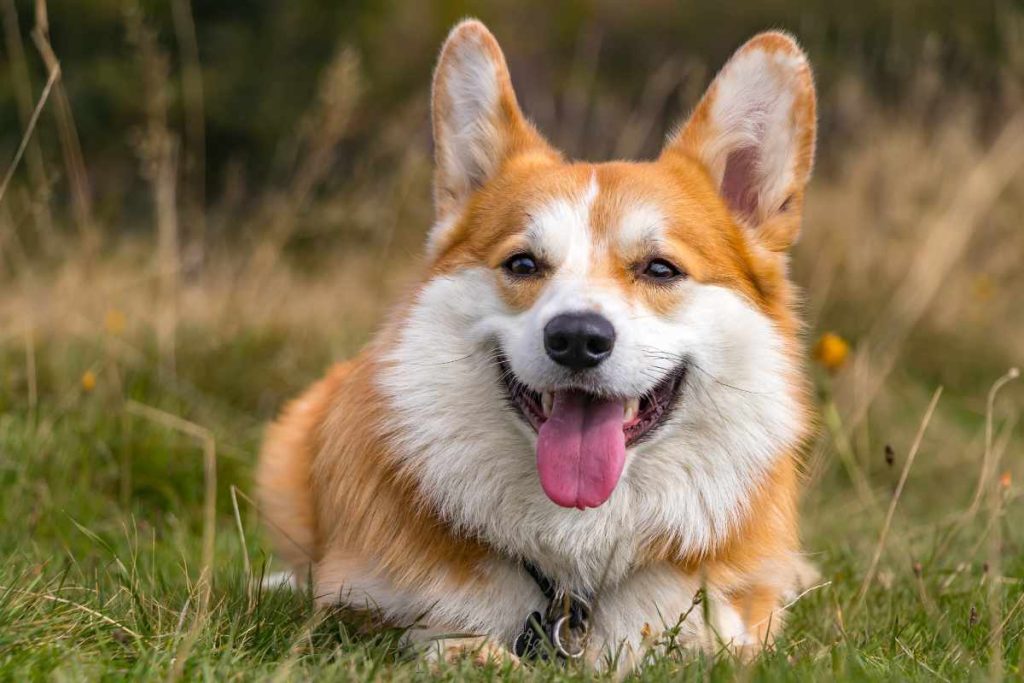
{"x": 556, "y": 638}
{"x": 568, "y": 622}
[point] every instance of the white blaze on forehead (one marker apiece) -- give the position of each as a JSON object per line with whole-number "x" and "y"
{"x": 560, "y": 232}
{"x": 641, "y": 224}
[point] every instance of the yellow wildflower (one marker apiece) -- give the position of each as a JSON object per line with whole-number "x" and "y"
{"x": 831, "y": 351}
{"x": 88, "y": 381}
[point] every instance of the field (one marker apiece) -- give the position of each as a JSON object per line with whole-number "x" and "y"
{"x": 140, "y": 359}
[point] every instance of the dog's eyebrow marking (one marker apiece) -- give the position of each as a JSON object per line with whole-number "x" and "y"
{"x": 560, "y": 230}
{"x": 640, "y": 224}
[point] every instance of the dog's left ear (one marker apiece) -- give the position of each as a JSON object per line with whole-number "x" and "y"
{"x": 478, "y": 125}
{"x": 754, "y": 133}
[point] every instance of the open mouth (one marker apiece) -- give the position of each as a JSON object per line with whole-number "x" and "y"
{"x": 640, "y": 416}
{"x": 582, "y": 437}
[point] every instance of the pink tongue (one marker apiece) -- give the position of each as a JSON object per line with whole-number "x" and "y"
{"x": 581, "y": 449}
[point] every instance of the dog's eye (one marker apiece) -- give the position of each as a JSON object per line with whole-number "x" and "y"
{"x": 521, "y": 265}
{"x": 660, "y": 270}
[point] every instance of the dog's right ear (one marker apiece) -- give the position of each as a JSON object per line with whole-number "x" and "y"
{"x": 478, "y": 125}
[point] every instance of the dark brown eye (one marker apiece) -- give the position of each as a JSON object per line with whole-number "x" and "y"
{"x": 661, "y": 270}
{"x": 521, "y": 265}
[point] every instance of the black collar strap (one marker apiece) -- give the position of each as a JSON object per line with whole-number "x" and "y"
{"x": 562, "y": 630}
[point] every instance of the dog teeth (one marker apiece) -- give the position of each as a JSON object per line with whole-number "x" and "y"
{"x": 631, "y": 410}
{"x": 547, "y": 401}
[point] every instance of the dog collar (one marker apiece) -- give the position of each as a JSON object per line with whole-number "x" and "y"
{"x": 561, "y": 631}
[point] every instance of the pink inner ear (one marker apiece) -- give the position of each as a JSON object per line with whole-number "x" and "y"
{"x": 739, "y": 183}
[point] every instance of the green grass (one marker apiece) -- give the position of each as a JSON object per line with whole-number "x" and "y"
{"x": 101, "y": 529}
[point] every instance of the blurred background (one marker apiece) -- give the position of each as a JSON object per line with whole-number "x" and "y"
{"x": 302, "y": 128}
{"x": 209, "y": 202}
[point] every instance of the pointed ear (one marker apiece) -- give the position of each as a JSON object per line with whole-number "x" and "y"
{"x": 754, "y": 133}
{"x": 477, "y": 122}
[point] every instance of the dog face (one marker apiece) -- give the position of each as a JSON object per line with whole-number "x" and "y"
{"x": 589, "y": 328}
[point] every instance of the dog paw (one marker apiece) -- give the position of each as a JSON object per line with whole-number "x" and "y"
{"x": 481, "y": 651}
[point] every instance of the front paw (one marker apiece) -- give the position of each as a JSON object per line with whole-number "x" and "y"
{"x": 480, "y": 650}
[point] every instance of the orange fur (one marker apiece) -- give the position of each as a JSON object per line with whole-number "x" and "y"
{"x": 325, "y": 459}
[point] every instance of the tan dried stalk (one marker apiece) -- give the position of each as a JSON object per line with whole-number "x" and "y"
{"x": 884, "y": 535}
{"x": 21, "y": 84}
{"x": 71, "y": 147}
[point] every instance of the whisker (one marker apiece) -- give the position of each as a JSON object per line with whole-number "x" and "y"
{"x": 726, "y": 384}
{"x": 660, "y": 354}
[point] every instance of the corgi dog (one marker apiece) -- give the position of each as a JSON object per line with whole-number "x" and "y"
{"x": 587, "y": 416}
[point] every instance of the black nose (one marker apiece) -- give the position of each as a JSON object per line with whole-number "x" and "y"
{"x": 579, "y": 340}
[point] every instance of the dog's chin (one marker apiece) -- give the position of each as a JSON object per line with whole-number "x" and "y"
{"x": 642, "y": 415}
